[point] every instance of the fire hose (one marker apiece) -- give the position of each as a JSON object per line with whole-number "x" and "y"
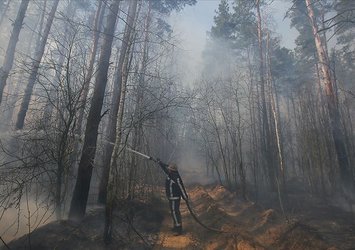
{"x": 234, "y": 232}
{"x": 187, "y": 201}
{"x": 193, "y": 214}
{"x": 200, "y": 222}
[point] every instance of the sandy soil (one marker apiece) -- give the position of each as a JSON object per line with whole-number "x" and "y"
{"x": 146, "y": 225}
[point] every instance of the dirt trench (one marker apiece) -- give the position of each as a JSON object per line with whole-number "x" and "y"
{"x": 246, "y": 226}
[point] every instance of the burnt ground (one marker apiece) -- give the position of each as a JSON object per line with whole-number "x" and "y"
{"x": 308, "y": 224}
{"x": 251, "y": 226}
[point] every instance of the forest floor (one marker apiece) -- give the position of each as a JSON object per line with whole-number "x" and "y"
{"x": 140, "y": 225}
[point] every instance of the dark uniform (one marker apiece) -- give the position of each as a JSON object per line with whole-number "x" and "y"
{"x": 174, "y": 189}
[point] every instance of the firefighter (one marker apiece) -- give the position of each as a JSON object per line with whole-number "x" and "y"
{"x": 174, "y": 189}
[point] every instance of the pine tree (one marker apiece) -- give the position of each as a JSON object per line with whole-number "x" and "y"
{"x": 223, "y": 27}
{"x": 346, "y": 176}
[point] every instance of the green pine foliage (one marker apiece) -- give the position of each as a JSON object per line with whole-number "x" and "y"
{"x": 167, "y": 6}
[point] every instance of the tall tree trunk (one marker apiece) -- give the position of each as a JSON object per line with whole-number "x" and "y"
{"x": 11, "y": 47}
{"x": 138, "y": 123}
{"x": 99, "y": 15}
{"x": 41, "y": 23}
{"x": 267, "y": 153}
{"x": 281, "y": 187}
{"x": 346, "y": 176}
{"x": 117, "y": 85}
{"x": 111, "y": 191}
{"x": 81, "y": 189}
{"x": 35, "y": 66}
{"x": 239, "y": 144}
{"x": 220, "y": 145}
{"x": 96, "y": 35}
{"x": 9, "y": 113}
{"x": 4, "y": 11}
{"x": 253, "y": 138}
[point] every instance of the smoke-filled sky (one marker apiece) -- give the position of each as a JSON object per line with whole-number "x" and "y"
{"x": 192, "y": 24}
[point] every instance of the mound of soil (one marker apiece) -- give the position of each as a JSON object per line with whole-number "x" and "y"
{"x": 245, "y": 226}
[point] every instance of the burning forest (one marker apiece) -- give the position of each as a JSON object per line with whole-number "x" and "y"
{"x": 180, "y": 124}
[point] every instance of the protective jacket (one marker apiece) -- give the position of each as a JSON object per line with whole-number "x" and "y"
{"x": 174, "y": 187}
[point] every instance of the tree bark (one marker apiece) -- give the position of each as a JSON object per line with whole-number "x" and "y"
{"x": 138, "y": 123}
{"x": 116, "y": 96}
{"x": 11, "y": 47}
{"x": 96, "y": 36}
{"x": 81, "y": 189}
{"x": 265, "y": 133}
{"x": 9, "y": 113}
{"x": 281, "y": 187}
{"x": 35, "y": 66}
{"x": 346, "y": 176}
{"x": 117, "y": 146}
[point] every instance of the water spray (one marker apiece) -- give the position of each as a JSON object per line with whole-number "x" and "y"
{"x": 194, "y": 216}
{"x": 187, "y": 201}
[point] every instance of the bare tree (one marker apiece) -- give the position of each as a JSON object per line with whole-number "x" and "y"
{"x": 11, "y": 47}
{"x": 116, "y": 101}
{"x": 70, "y": 10}
{"x": 265, "y": 127}
{"x": 96, "y": 35}
{"x": 81, "y": 189}
{"x": 34, "y": 39}
{"x": 111, "y": 190}
{"x": 35, "y": 66}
